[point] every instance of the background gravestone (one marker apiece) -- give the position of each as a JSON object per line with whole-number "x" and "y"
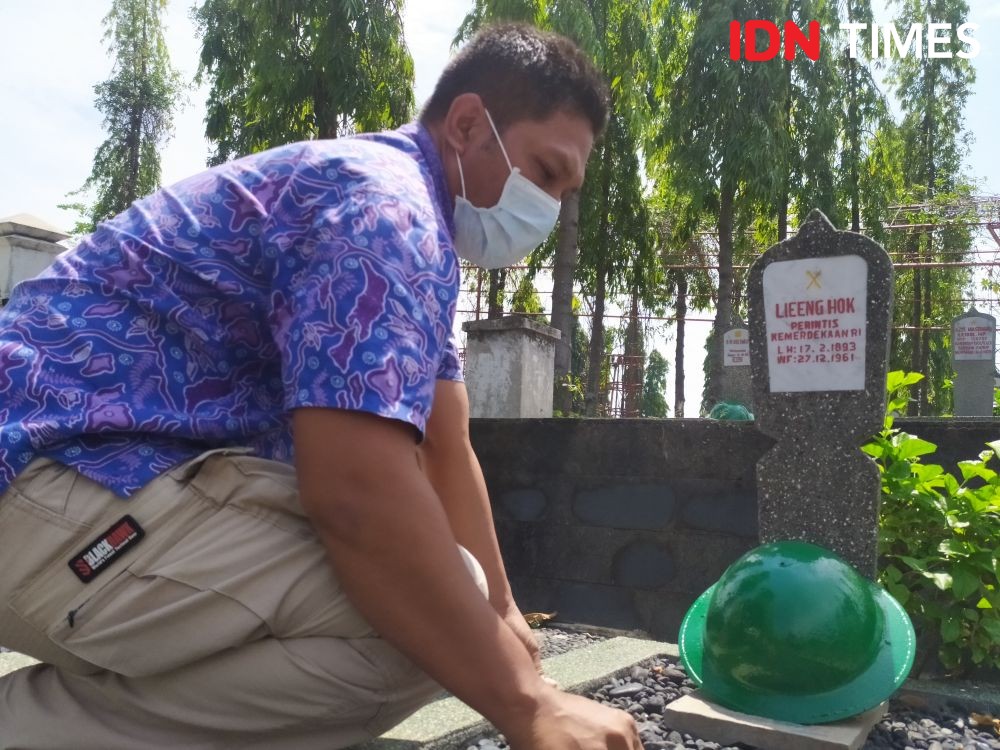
{"x": 820, "y": 309}
{"x": 973, "y": 351}
{"x": 735, "y": 384}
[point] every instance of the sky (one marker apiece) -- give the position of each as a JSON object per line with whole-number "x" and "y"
{"x": 52, "y": 57}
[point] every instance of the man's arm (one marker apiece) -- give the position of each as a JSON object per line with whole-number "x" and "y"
{"x": 395, "y": 555}
{"x": 447, "y": 458}
{"x": 396, "y": 558}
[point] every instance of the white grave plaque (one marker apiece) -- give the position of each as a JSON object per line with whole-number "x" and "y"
{"x": 736, "y": 348}
{"x": 814, "y": 310}
{"x": 973, "y": 339}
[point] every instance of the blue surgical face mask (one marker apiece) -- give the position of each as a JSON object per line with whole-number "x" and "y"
{"x": 503, "y": 235}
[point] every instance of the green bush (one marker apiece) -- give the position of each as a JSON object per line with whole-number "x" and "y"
{"x": 938, "y": 542}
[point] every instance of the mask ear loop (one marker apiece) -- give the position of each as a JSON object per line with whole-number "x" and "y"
{"x": 461, "y": 176}
{"x": 502, "y": 149}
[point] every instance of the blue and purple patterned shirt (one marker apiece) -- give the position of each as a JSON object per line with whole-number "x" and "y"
{"x": 320, "y": 273}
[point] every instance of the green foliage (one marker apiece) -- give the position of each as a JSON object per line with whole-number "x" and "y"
{"x": 654, "y": 404}
{"x": 573, "y": 384}
{"x": 526, "y": 299}
{"x": 938, "y": 541}
{"x": 138, "y": 103}
{"x": 301, "y": 69}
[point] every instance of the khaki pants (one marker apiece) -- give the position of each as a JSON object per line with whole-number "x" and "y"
{"x": 224, "y": 627}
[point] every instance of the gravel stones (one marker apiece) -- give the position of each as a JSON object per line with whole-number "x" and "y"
{"x": 647, "y": 688}
{"x": 555, "y": 641}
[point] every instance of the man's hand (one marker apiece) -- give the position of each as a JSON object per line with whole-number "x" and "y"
{"x": 516, "y": 622}
{"x": 564, "y": 720}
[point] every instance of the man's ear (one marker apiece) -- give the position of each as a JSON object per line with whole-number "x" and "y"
{"x": 463, "y": 120}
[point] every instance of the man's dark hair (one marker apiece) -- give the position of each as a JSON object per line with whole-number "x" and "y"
{"x": 522, "y": 73}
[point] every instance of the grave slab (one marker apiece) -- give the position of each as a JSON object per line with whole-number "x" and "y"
{"x": 446, "y": 722}
{"x": 709, "y": 721}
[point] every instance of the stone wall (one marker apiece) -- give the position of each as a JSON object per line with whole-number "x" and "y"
{"x": 623, "y": 523}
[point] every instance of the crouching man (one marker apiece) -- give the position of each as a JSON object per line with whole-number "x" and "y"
{"x": 216, "y": 529}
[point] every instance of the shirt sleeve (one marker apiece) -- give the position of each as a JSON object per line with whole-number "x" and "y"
{"x": 451, "y": 363}
{"x": 356, "y": 305}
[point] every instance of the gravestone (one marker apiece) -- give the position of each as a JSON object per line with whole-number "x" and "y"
{"x": 973, "y": 351}
{"x": 735, "y": 383}
{"x": 820, "y": 312}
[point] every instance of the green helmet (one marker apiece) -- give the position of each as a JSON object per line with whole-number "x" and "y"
{"x": 731, "y": 410}
{"x": 793, "y": 632}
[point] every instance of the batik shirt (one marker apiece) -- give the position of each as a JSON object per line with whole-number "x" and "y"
{"x": 316, "y": 274}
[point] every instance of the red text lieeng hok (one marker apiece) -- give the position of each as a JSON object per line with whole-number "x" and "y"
{"x": 805, "y": 308}
{"x": 886, "y": 40}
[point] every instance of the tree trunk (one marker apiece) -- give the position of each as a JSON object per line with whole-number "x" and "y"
{"x": 916, "y": 323}
{"x": 498, "y": 280}
{"x": 133, "y": 143}
{"x": 327, "y": 118}
{"x": 595, "y": 371}
{"x": 854, "y": 144}
{"x": 783, "y": 198}
{"x": 562, "y": 297}
{"x": 479, "y": 293}
{"x": 724, "y": 308}
{"x": 681, "y": 308}
{"x": 634, "y": 361}
{"x": 738, "y": 281}
{"x": 929, "y": 127}
{"x": 925, "y": 350}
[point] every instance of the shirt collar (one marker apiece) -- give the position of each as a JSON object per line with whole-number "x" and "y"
{"x": 422, "y": 137}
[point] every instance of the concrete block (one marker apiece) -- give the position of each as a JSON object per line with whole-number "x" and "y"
{"x": 643, "y": 565}
{"x": 524, "y": 505}
{"x": 695, "y": 715}
{"x": 626, "y": 506}
{"x": 575, "y": 601}
{"x": 718, "y": 505}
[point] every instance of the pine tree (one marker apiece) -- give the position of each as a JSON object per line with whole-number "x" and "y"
{"x": 138, "y": 102}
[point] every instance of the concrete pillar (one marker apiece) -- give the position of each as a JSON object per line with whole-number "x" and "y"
{"x": 27, "y": 247}
{"x": 509, "y": 366}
